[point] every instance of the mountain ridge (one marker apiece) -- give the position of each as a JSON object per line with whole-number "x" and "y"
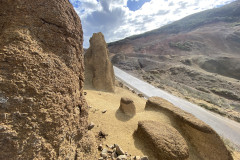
{"x": 232, "y": 15}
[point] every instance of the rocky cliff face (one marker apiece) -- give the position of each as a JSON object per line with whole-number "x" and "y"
{"x": 99, "y": 69}
{"x": 43, "y": 114}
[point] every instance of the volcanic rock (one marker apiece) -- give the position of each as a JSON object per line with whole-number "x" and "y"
{"x": 165, "y": 140}
{"x": 99, "y": 69}
{"x": 41, "y": 82}
{"x": 127, "y": 106}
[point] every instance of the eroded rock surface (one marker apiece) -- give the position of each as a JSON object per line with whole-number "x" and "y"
{"x": 164, "y": 140}
{"x": 98, "y": 68}
{"x": 202, "y": 138}
{"x": 43, "y": 114}
{"x": 127, "y": 106}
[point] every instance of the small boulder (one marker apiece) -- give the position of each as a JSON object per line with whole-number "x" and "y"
{"x": 127, "y": 106}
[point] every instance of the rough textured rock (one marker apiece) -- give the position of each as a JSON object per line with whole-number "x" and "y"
{"x": 167, "y": 142}
{"x": 161, "y": 104}
{"x": 202, "y": 138}
{"x": 127, "y": 106}
{"x": 99, "y": 69}
{"x": 43, "y": 114}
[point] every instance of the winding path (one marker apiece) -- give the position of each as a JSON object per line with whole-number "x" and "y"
{"x": 225, "y": 127}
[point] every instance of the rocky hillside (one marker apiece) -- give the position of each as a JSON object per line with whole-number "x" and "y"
{"x": 215, "y": 30}
{"x": 196, "y": 58}
{"x": 43, "y": 114}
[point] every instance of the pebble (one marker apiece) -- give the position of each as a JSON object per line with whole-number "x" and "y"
{"x": 144, "y": 158}
{"x": 104, "y": 111}
{"x": 114, "y": 155}
{"x": 119, "y": 150}
{"x": 122, "y": 157}
{"x": 100, "y": 147}
{"x": 91, "y": 125}
{"x": 115, "y": 152}
{"x": 137, "y": 158}
{"x": 104, "y": 153}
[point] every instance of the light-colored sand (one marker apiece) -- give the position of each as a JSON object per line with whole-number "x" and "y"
{"x": 119, "y": 127}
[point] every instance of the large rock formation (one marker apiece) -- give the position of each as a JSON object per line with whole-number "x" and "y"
{"x": 42, "y": 111}
{"x": 98, "y": 68}
{"x": 205, "y": 142}
{"x": 164, "y": 140}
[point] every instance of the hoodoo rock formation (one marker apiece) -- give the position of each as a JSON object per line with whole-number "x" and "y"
{"x": 98, "y": 68}
{"x": 127, "y": 106}
{"x": 43, "y": 114}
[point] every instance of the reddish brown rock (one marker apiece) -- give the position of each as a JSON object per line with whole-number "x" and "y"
{"x": 43, "y": 112}
{"x": 98, "y": 68}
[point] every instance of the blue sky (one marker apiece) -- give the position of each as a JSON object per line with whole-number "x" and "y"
{"x": 136, "y": 5}
{"x": 118, "y": 19}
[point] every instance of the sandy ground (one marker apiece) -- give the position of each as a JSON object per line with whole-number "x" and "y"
{"x": 117, "y": 125}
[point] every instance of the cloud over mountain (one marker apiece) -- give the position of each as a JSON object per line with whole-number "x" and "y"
{"x": 117, "y": 19}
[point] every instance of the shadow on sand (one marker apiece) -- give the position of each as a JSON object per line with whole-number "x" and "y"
{"x": 121, "y": 116}
{"x": 140, "y": 144}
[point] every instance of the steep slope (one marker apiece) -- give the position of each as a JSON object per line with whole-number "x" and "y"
{"x": 43, "y": 114}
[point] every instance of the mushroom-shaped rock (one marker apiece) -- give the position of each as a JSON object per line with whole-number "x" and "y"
{"x": 165, "y": 140}
{"x": 127, "y": 106}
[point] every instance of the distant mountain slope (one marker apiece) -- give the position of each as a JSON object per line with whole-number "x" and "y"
{"x": 173, "y": 37}
{"x": 197, "y": 58}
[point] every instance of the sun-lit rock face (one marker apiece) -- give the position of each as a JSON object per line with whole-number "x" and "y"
{"x": 43, "y": 114}
{"x": 99, "y": 69}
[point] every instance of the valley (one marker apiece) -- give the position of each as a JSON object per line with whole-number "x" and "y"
{"x": 196, "y": 58}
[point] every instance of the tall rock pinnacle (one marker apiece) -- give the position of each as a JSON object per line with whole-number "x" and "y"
{"x": 98, "y": 67}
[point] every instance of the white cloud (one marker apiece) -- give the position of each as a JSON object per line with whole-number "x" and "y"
{"x": 114, "y": 19}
